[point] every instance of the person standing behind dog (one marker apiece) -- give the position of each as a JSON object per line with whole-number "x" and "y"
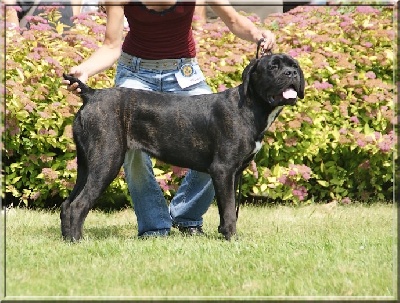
{"x": 159, "y": 54}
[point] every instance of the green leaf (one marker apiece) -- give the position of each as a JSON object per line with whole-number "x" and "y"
{"x": 323, "y": 183}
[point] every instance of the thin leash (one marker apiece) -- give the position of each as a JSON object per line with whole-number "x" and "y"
{"x": 240, "y": 177}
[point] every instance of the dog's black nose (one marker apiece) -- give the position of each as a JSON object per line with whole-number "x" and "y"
{"x": 290, "y": 72}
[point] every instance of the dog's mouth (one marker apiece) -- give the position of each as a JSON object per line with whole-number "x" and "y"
{"x": 287, "y": 97}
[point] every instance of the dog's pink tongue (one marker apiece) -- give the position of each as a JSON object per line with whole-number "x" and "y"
{"x": 290, "y": 93}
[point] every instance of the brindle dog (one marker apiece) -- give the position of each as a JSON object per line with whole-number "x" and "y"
{"x": 217, "y": 133}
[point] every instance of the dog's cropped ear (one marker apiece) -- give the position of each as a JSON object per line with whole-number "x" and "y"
{"x": 302, "y": 84}
{"x": 247, "y": 72}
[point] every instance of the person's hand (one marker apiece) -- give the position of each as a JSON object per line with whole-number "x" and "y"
{"x": 77, "y": 72}
{"x": 269, "y": 40}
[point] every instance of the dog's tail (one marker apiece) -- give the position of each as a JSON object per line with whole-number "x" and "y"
{"x": 85, "y": 90}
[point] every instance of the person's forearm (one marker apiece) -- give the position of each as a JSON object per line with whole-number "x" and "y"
{"x": 245, "y": 29}
{"x": 11, "y": 16}
{"x": 238, "y": 24}
{"x": 102, "y": 59}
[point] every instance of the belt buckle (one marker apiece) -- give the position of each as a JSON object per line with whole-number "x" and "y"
{"x": 187, "y": 70}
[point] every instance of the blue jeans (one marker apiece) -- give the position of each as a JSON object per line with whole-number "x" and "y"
{"x": 196, "y": 192}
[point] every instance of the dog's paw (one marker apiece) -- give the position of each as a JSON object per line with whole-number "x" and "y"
{"x": 227, "y": 232}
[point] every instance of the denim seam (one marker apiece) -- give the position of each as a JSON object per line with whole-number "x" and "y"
{"x": 189, "y": 223}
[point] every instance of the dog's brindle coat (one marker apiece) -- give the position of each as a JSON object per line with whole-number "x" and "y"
{"x": 216, "y": 133}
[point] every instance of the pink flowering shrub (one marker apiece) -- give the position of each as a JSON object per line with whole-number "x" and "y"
{"x": 336, "y": 144}
{"x": 39, "y": 158}
{"x": 344, "y": 128}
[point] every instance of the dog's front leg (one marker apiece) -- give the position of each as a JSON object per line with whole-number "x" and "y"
{"x": 65, "y": 216}
{"x": 225, "y": 195}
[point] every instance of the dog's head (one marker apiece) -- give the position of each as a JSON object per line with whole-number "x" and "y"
{"x": 277, "y": 79}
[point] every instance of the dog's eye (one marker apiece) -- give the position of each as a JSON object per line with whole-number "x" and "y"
{"x": 272, "y": 67}
{"x": 295, "y": 65}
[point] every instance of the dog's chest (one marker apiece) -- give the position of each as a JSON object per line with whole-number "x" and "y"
{"x": 271, "y": 118}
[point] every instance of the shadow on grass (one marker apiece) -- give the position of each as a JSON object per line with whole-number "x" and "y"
{"x": 105, "y": 232}
{"x": 124, "y": 232}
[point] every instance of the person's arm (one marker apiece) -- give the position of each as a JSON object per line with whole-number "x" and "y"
{"x": 240, "y": 25}
{"x": 105, "y": 56}
{"x": 76, "y": 7}
{"x": 11, "y": 13}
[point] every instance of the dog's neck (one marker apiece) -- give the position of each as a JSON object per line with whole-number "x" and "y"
{"x": 264, "y": 112}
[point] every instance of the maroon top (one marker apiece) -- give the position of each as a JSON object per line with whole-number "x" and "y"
{"x": 160, "y": 35}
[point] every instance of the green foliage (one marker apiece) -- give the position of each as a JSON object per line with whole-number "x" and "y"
{"x": 336, "y": 144}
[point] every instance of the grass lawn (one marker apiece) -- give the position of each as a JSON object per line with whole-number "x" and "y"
{"x": 315, "y": 251}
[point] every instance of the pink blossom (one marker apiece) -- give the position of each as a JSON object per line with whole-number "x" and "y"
{"x": 344, "y": 24}
{"x": 50, "y": 8}
{"x": 354, "y": 119}
{"x": 52, "y": 132}
{"x": 196, "y": 18}
{"x": 178, "y": 171}
{"x": 29, "y": 108}
{"x": 221, "y": 87}
{"x": 370, "y": 75}
{"x": 300, "y": 192}
{"x": 40, "y": 27}
{"x": 307, "y": 119}
{"x": 368, "y": 44}
{"x": 49, "y": 174}
{"x": 35, "y": 195}
{"x": 44, "y": 115}
{"x": 361, "y": 143}
{"x": 35, "y": 56}
{"x": 100, "y": 29}
{"x": 282, "y": 179}
{"x": 36, "y": 19}
{"x": 294, "y": 52}
{"x": 385, "y": 146}
{"x": 71, "y": 164}
{"x": 52, "y": 61}
{"x": 346, "y": 200}
{"x": 322, "y": 85}
{"x": 253, "y": 167}
{"x": 80, "y": 17}
{"x": 366, "y": 10}
{"x": 216, "y": 35}
{"x": 163, "y": 184}
{"x": 254, "y": 18}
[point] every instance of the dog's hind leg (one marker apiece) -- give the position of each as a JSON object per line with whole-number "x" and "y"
{"x": 100, "y": 157}
{"x": 65, "y": 214}
{"x": 99, "y": 177}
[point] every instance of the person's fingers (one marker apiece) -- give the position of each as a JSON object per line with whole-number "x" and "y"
{"x": 74, "y": 88}
{"x": 269, "y": 40}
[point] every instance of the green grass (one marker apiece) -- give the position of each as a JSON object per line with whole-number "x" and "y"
{"x": 309, "y": 251}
